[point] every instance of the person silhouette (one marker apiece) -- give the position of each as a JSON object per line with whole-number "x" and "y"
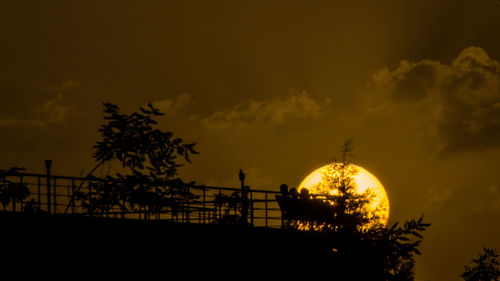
{"x": 294, "y": 194}
{"x": 284, "y": 190}
{"x": 304, "y": 194}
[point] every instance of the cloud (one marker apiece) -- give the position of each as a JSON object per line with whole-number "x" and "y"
{"x": 50, "y": 111}
{"x": 271, "y": 112}
{"x": 459, "y": 103}
{"x": 69, "y": 84}
{"x": 437, "y": 197}
{"x": 490, "y": 200}
{"x": 53, "y": 110}
{"x": 170, "y": 107}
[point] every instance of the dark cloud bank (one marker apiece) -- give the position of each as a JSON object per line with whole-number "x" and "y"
{"x": 457, "y": 103}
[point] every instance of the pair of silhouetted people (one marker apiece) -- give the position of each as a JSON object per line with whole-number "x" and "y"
{"x": 293, "y": 193}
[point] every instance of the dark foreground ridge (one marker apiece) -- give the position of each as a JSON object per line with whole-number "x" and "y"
{"x": 90, "y": 244}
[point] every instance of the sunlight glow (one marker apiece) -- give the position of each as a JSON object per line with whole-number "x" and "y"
{"x": 363, "y": 180}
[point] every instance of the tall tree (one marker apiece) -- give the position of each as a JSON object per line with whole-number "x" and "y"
{"x": 360, "y": 248}
{"x": 335, "y": 205}
{"x": 338, "y": 188}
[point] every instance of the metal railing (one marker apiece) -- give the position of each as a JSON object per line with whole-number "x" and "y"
{"x": 206, "y": 204}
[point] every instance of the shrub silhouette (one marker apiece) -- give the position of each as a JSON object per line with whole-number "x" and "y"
{"x": 231, "y": 204}
{"x": 10, "y": 191}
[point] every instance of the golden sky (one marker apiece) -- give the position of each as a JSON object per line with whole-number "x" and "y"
{"x": 274, "y": 88}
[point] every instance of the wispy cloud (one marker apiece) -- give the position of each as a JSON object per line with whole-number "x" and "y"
{"x": 299, "y": 105}
{"x": 437, "y": 197}
{"x": 51, "y": 111}
{"x": 172, "y": 107}
{"x": 69, "y": 84}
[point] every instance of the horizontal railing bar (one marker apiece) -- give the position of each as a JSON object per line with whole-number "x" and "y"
{"x": 193, "y": 209}
{"x": 18, "y": 174}
{"x": 201, "y": 187}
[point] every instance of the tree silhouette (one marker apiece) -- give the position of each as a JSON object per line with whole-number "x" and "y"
{"x": 12, "y": 191}
{"x": 150, "y": 157}
{"x": 396, "y": 247}
{"x": 231, "y": 204}
{"x": 337, "y": 187}
{"x": 360, "y": 247}
{"x": 335, "y": 204}
{"x": 360, "y": 240}
{"x": 485, "y": 267}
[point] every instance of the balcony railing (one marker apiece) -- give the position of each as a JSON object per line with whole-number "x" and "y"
{"x": 54, "y": 194}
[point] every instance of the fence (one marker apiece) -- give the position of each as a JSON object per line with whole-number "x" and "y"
{"x": 206, "y": 204}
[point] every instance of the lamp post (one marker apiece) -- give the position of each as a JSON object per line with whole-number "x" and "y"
{"x": 244, "y": 199}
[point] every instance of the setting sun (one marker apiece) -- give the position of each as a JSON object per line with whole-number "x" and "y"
{"x": 363, "y": 181}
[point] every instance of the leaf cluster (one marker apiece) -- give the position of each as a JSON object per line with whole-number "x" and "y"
{"x": 134, "y": 140}
{"x": 341, "y": 206}
{"x": 12, "y": 191}
{"x": 125, "y": 193}
{"x": 231, "y": 205}
{"x": 361, "y": 248}
{"x": 484, "y": 267}
{"x": 398, "y": 244}
{"x": 150, "y": 155}
{"x": 378, "y": 253}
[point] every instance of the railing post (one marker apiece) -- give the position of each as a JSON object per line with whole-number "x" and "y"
{"x": 251, "y": 209}
{"x": 220, "y": 205}
{"x": 265, "y": 202}
{"x": 188, "y": 204}
{"x": 40, "y": 192}
{"x": 21, "y": 204}
{"x": 204, "y": 205}
{"x": 5, "y": 185}
{"x": 72, "y": 194}
{"x": 48, "y": 164}
{"x": 91, "y": 211}
{"x": 55, "y": 195}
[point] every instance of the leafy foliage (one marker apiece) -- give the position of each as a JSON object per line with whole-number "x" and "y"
{"x": 377, "y": 253}
{"x": 396, "y": 246}
{"x": 132, "y": 140}
{"x": 150, "y": 156}
{"x": 12, "y": 191}
{"x": 231, "y": 206}
{"x": 485, "y": 267}
{"x": 336, "y": 205}
{"x": 348, "y": 208}
{"x": 360, "y": 247}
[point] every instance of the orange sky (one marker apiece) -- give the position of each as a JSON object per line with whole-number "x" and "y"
{"x": 274, "y": 88}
